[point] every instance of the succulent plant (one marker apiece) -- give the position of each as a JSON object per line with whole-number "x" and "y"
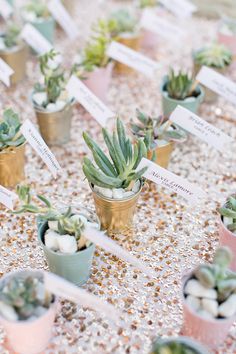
{"x": 228, "y": 212}
{"x": 147, "y": 3}
{"x": 21, "y": 298}
{"x": 120, "y": 169}
{"x": 180, "y": 85}
{"x": 123, "y": 22}
{"x": 173, "y": 347}
{"x": 38, "y": 7}
{"x": 11, "y": 36}
{"x": 215, "y": 56}
{"x": 10, "y": 134}
{"x": 228, "y": 26}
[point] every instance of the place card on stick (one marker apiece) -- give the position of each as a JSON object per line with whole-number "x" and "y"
{"x": 6, "y": 9}
{"x": 35, "y": 39}
{"x": 180, "y": 8}
{"x": 5, "y": 72}
{"x": 7, "y": 197}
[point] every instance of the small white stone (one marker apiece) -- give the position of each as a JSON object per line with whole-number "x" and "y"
{"x": 205, "y": 314}
{"x": 106, "y": 192}
{"x": 128, "y": 194}
{"x": 79, "y": 217}
{"x": 53, "y": 225}
{"x": 195, "y": 288}
{"x": 210, "y": 306}
{"x": 40, "y": 98}
{"x": 8, "y": 312}
{"x": 228, "y": 308}
{"x": 60, "y": 105}
{"x": 189, "y": 99}
{"x": 193, "y": 302}
{"x": 51, "y": 240}
{"x": 51, "y": 107}
{"x": 32, "y": 318}
{"x": 136, "y": 187}
{"x": 228, "y": 221}
{"x": 40, "y": 311}
{"x": 117, "y": 193}
{"x": 67, "y": 244}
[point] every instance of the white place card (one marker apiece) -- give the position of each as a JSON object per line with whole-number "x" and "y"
{"x": 89, "y": 101}
{"x": 167, "y": 179}
{"x": 5, "y": 72}
{"x": 132, "y": 59}
{"x": 217, "y": 83}
{"x": 5, "y": 9}
{"x": 61, "y": 15}
{"x": 35, "y": 39}
{"x": 63, "y": 288}
{"x": 101, "y": 240}
{"x": 7, "y": 197}
{"x": 154, "y": 23}
{"x": 38, "y": 144}
{"x": 199, "y": 127}
{"x": 180, "y": 8}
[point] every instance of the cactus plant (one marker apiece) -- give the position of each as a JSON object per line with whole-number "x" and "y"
{"x": 10, "y": 130}
{"x": 228, "y": 213}
{"x": 215, "y": 56}
{"x": 180, "y": 85}
{"x": 123, "y": 21}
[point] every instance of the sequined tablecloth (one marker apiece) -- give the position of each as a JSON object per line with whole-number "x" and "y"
{"x": 169, "y": 235}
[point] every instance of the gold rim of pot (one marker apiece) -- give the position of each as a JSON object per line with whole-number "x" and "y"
{"x": 163, "y": 154}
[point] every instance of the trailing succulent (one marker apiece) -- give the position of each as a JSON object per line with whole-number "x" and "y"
{"x": 21, "y": 298}
{"x": 215, "y": 55}
{"x": 123, "y": 22}
{"x": 118, "y": 170}
{"x": 10, "y": 134}
{"x": 228, "y": 212}
{"x": 38, "y": 7}
{"x": 172, "y": 347}
{"x": 11, "y": 36}
{"x": 180, "y": 85}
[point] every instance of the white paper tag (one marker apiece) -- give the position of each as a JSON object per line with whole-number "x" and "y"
{"x": 169, "y": 180}
{"x": 132, "y": 59}
{"x": 5, "y": 72}
{"x": 5, "y": 9}
{"x": 89, "y": 101}
{"x": 101, "y": 240}
{"x": 38, "y": 144}
{"x": 199, "y": 127}
{"x": 160, "y": 26}
{"x": 63, "y": 288}
{"x": 7, "y": 197}
{"x": 63, "y": 18}
{"x": 217, "y": 83}
{"x": 180, "y": 8}
{"x": 35, "y": 39}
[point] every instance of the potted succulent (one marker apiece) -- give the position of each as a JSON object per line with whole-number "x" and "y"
{"x": 12, "y": 149}
{"x": 37, "y": 14}
{"x": 179, "y": 345}
{"x": 180, "y": 89}
{"x": 227, "y": 34}
{"x": 126, "y": 32}
{"x": 27, "y": 311}
{"x": 215, "y": 56}
{"x": 52, "y": 104}
{"x": 14, "y": 52}
{"x": 60, "y": 233}
{"x": 227, "y": 230}
{"x": 159, "y": 136}
{"x": 209, "y": 300}
{"x": 94, "y": 66}
{"x": 115, "y": 181}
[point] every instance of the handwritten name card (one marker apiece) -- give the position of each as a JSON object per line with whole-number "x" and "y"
{"x": 180, "y": 8}
{"x": 5, "y": 72}
{"x": 7, "y": 197}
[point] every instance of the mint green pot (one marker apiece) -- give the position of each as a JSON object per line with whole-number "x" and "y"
{"x": 46, "y": 27}
{"x": 74, "y": 267}
{"x": 11, "y": 2}
{"x": 169, "y": 104}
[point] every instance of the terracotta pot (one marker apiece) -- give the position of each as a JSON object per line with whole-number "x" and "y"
{"x": 133, "y": 42}
{"x": 211, "y": 332}
{"x": 228, "y": 238}
{"x": 12, "y": 163}
{"x": 149, "y": 40}
{"x": 229, "y": 41}
{"x": 163, "y": 154}
{"x": 98, "y": 81}
{"x": 30, "y": 337}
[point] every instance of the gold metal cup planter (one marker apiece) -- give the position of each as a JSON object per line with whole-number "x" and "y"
{"x": 133, "y": 42}
{"x": 115, "y": 215}
{"x": 12, "y": 161}
{"x": 163, "y": 154}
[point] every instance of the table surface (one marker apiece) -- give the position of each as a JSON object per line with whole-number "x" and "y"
{"x": 169, "y": 235}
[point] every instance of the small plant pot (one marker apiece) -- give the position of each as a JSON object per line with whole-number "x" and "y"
{"x": 55, "y": 127}
{"x": 74, "y": 267}
{"x": 98, "y": 81}
{"x": 169, "y": 104}
{"x": 29, "y": 337}
{"x": 12, "y": 162}
{"x": 228, "y": 238}
{"x": 149, "y": 40}
{"x": 229, "y": 41}
{"x": 16, "y": 58}
{"x": 211, "y": 332}
{"x": 45, "y": 26}
{"x": 115, "y": 215}
{"x": 191, "y": 344}
{"x": 133, "y": 42}
{"x": 163, "y": 154}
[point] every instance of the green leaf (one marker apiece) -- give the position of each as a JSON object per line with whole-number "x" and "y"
{"x": 44, "y": 200}
{"x": 227, "y": 212}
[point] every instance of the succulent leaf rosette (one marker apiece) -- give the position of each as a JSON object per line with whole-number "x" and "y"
{"x": 180, "y": 85}
{"x": 11, "y": 37}
{"x": 10, "y": 135}
{"x": 35, "y": 9}
{"x": 215, "y": 56}
{"x": 228, "y": 213}
{"x": 123, "y": 22}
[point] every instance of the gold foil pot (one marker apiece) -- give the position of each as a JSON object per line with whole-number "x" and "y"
{"x": 133, "y": 42}
{"x": 55, "y": 126}
{"x": 12, "y": 161}
{"x": 16, "y": 59}
{"x": 115, "y": 215}
{"x": 163, "y": 154}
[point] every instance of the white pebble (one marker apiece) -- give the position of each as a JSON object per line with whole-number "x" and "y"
{"x": 60, "y": 105}
{"x": 40, "y": 98}
{"x": 67, "y": 244}
{"x": 51, "y": 107}
{"x": 53, "y": 225}
{"x": 205, "y": 314}
{"x": 40, "y": 311}
{"x": 228, "y": 308}
{"x": 51, "y": 240}
{"x": 106, "y": 192}
{"x": 8, "y": 312}
{"x": 193, "y": 302}
{"x": 195, "y": 288}
{"x": 128, "y": 194}
{"x": 210, "y": 306}
{"x": 117, "y": 193}
{"x": 136, "y": 187}
{"x": 228, "y": 221}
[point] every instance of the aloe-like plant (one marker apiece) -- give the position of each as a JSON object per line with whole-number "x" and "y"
{"x": 120, "y": 169}
{"x": 215, "y": 56}
{"x": 173, "y": 347}
{"x": 10, "y": 134}
{"x": 228, "y": 213}
{"x": 38, "y": 7}
{"x": 180, "y": 85}
{"x": 147, "y": 3}
{"x": 11, "y": 36}
{"x": 123, "y": 22}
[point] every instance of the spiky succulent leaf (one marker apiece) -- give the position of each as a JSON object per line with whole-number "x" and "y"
{"x": 179, "y": 85}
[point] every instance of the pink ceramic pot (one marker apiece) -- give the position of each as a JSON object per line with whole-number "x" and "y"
{"x": 149, "y": 40}
{"x": 29, "y": 337}
{"x": 211, "y": 332}
{"x": 228, "y": 41}
{"x": 98, "y": 81}
{"x": 227, "y": 238}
